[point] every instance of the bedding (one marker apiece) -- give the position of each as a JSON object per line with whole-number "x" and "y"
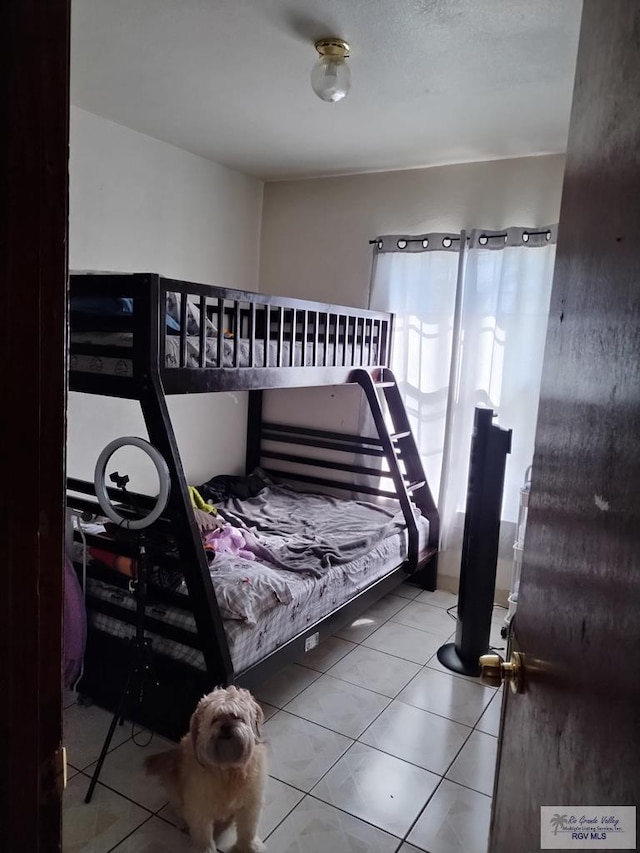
{"x": 122, "y": 307}
{"x": 299, "y": 602}
{"x": 124, "y": 366}
{"x": 317, "y": 553}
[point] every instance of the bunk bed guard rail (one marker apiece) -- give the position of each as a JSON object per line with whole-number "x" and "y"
{"x": 205, "y": 338}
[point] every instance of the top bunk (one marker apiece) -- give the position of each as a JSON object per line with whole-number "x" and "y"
{"x": 127, "y": 330}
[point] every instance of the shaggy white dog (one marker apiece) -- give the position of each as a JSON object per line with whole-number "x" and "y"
{"x": 216, "y": 775}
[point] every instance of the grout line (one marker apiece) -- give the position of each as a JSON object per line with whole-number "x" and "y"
{"x": 329, "y": 769}
{"x": 122, "y": 840}
{"x": 291, "y": 811}
{"x": 311, "y": 723}
{"x": 324, "y": 671}
{"x": 119, "y": 793}
{"x": 361, "y": 819}
{"x": 419, "y": 766}
{"x": 302, "y": 689}
{"x": 468, "y": 788}
{"x": 421, "y": 812}
{"x": 351, "y": 737}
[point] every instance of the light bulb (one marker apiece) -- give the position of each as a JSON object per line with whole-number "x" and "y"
{"x": 330, "y": 76}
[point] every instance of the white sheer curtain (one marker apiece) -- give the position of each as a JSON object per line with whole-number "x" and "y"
{"x": 496, "y": 347}
{"x": 503, "y": 323}
{"x": 419, "y": 287}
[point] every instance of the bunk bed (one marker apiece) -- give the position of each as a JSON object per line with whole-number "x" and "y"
{"x": 143, "y": 337}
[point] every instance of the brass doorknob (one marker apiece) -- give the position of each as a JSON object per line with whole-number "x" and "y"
{"x": 494, "y": 670}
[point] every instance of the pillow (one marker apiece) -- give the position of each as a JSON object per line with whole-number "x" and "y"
{"x": 193, "y": 316}
{"x": 109, "y": 308}
{"x": 110, "y": 305}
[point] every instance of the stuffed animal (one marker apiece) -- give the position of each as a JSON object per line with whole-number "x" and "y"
{"x": 230, "y": 540}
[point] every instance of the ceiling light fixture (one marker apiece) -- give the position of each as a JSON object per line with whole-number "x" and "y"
{"x": 330, "y": 76}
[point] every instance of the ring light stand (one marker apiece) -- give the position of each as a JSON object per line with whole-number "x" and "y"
{"x": 141, "y": 662}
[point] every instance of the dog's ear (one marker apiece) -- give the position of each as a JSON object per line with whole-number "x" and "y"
{"x": 257, "y": 719}
{"x": 196, "y": 720}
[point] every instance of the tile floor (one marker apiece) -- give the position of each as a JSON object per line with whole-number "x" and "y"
{"x": 374, "y": 746}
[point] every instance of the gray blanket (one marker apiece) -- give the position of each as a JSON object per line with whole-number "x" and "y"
{"x": 310, "y": 533}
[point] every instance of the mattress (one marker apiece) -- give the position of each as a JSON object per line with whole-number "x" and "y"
{"x": 116, "y": 366}
{"x": 264, "y": 606}
{"x": 312, "y": 599}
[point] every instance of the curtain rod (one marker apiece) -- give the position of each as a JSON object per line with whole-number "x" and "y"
{"x": 423, "y": 240}
{"x": 483, "y": 238}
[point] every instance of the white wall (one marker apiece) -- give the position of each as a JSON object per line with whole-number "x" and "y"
{"x": 140, "y": 205}
{"x": 315, "y": 245}
{"x": 315, "y": 233}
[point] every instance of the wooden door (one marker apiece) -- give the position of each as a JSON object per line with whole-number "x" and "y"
{"x": 573, "y": 738}
{"x": 34, "y": 60}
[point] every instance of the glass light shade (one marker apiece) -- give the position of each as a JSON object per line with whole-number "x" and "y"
{"x": 330, "y": 78}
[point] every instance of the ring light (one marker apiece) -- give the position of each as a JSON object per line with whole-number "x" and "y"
{"x": 101, "y": 488}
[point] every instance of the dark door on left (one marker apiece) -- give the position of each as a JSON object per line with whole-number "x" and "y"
{"x": 34, "y": 76}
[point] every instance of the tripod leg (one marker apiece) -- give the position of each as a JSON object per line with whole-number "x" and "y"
{"x": 118, "y": 715}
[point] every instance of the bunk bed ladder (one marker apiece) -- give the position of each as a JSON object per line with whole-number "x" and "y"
{"x": 401, "y": 451}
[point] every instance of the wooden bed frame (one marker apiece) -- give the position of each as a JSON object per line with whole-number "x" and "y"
{"x": 362, "y": 341}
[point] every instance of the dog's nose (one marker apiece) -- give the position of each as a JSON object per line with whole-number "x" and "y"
{"x": 226, "y": 730}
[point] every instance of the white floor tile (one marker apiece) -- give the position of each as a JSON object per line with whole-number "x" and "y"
{"x": 329, "y": 651}
{"x": 456, "y": 820}
{"x": 438, "y": 598}
{"x": 373, "y": 618}
{"x": 279, "y": 800}
{"x": 475, "y": 766}
{"x": 123, "y": 770}
{"x": 424, "y": 617}
{"x": 267, "y": 710}
{"x": 407, "y": 590}
{"x": 375, "y": 671}
{"x": 155, "y": 836}
{"x": 282, "y": 687}
{"x": 403, "y": 642}
{"x": 85, "y": 728}
{"x": 315, "y": 827}
{"x": 434, "y": 663}
{"x": 167, "y": 813}
{"x": 409, "y": 848}
{"x": 489, "y": 722}
{"x": 338, "y": 705}
{"x": 455, "y": 698}
{"x": 301, "y": 752}
{"x": 378, "y": 788}
{"x": 98, "y": 826}
{"x": 417, "y": 736}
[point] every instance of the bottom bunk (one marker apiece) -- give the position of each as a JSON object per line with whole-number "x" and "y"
{"x": 303, "y": 565}
{"x": 233, "y": 601}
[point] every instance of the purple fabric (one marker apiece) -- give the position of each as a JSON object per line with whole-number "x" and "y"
{"x": 230, "y": 540}
{"x": 75, "y": 625}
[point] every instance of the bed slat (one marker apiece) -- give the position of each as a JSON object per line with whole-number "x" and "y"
{"x": 292, "y": 345}
{"x": 220, "y": 341}
{"x": 236, "y": 332}
{"x": 252, "y": 334}
{"x": 202, "y": 355}
{"x": 183, "y": 330}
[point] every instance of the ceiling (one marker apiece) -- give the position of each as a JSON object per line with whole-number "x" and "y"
{"x": 433, "y": 81}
